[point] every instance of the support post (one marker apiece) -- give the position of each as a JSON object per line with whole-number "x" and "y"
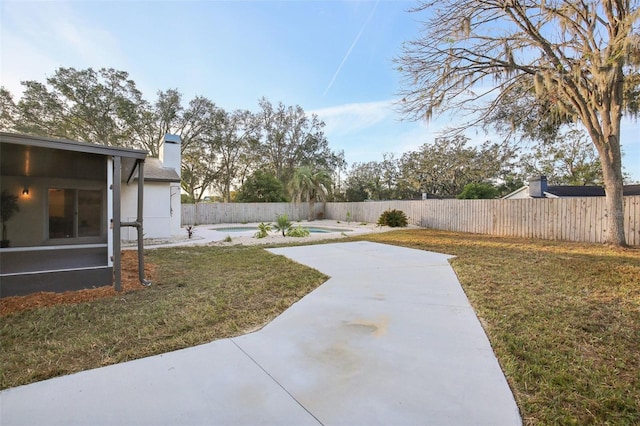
{"x": 140, "y": 227}
{"x": 117, "y": 241}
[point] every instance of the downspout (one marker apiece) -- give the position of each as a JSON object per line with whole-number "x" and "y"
{"x": 138, "y": 225}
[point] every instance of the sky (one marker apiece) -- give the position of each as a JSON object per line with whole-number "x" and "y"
{"x": 334, "y": 58}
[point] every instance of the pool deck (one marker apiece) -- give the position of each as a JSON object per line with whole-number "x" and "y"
{"x": 207, "y": 234}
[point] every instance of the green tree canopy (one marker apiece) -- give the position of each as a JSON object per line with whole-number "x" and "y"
{"x": 478, "y": 191}
{"x": 262, "y": 187}
{"x": 289, "y": 138}
{"x": 219, "y": 148}
{"x": 87, "y": 105}
{"x": 570, "y": 160}
{"x": 444, "y": 167}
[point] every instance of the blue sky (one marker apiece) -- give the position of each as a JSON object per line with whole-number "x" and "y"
{"x": 331, "y": 57}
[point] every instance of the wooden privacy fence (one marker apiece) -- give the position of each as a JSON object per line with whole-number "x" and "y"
{"x": 210, "y": 213}
{"x": 570, "y": 219}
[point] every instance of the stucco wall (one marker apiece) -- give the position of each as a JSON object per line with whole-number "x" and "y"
{"x": 161, "y": 212}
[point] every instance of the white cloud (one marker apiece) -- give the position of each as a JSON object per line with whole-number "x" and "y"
{"x": 351, "y": 118}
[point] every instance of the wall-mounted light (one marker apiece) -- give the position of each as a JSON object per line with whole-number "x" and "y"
{"x": 25, "y": 191}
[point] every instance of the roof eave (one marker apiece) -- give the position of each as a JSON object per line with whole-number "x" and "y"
{"x": 69, "y": 145}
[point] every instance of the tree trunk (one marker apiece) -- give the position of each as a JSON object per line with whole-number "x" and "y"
{"x": 607, "y": 141}
{"x": 609, "y": 152}
{"x": 312, "y": 208}
{"x": 611, "y": 170}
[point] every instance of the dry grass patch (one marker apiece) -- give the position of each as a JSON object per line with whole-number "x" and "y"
{"x": 563, "y": 319}
{"x": 199, "y": 294}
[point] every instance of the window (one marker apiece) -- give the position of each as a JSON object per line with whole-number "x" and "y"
{"x": 74, "y": 213}
{"x": 89, "y": 209}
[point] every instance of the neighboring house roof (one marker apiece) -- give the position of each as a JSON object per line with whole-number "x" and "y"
{"x": 562, "y": 191}
{"x": 155, "y": 172}
{"x": 631, "y": 190}
{"x": 522, "y": 192}
{"x": 566, "y": 191}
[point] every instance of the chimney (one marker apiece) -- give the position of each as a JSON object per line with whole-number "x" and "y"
{"x": 170, "y": 152}
{"x": 538, "y": 186}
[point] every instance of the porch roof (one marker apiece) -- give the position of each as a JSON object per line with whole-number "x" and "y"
{"x": 130, "y": 157}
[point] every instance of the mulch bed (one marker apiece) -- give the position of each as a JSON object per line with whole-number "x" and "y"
{"x": 130, "y": 282}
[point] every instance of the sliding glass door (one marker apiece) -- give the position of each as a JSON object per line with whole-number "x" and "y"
{"x": 75, "y": 213}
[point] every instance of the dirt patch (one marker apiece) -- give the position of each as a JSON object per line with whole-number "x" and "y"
{"x": 130, "y": 282}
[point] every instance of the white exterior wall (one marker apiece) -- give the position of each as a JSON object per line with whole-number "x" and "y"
{"x": 176, "y": 210}
{"x": 162, "y": 208}
{"x": 161, "y": 211}
{"x": 518, "y": 194}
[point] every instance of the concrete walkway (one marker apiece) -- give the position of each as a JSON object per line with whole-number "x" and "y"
{"x": 390, "y": 339}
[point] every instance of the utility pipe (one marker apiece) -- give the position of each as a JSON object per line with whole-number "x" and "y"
{"x": 138, "y": 225}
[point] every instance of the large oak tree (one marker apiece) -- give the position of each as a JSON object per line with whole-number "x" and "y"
{"x": 580, "y": 56}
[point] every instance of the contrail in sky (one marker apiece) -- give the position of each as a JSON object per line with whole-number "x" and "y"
{"x": 355, "y": 41}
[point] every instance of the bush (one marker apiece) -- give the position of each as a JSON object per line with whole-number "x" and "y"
{"x": 298, "y": 231}
{"x": 263, "y": 230}
{"x": 478, "y": 191}
{"x": 186, "y": 199}
{"x": 393, "y": 218}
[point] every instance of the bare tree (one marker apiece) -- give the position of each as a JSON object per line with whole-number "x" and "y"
{"x": 579, "y": 55}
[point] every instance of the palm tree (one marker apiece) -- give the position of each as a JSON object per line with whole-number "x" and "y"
{"x": 283, "y": 224}
{"x": 309, "y": 185}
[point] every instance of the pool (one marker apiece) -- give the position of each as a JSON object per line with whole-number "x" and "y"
{"x": 312, "y": 229}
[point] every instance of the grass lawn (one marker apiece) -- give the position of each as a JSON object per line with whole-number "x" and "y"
{"x": 563, "y": 318}
{"x": 199, "y": 294}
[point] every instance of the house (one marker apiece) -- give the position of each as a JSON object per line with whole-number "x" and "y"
{"x": 74, "y": 198}
{"x": 539, "y": 188}
{"x": 161, "y": 194}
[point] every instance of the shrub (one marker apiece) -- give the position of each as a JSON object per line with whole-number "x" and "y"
{"x": 283, "y": 224}
{"x": 228, "y": 239}
{"x": 298, "y": 231}
{"x": 186, "y": 199}
{"x": 263, "y": 230}
{"x": 393, "y": 218}
{"x": 478, "y": 191}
